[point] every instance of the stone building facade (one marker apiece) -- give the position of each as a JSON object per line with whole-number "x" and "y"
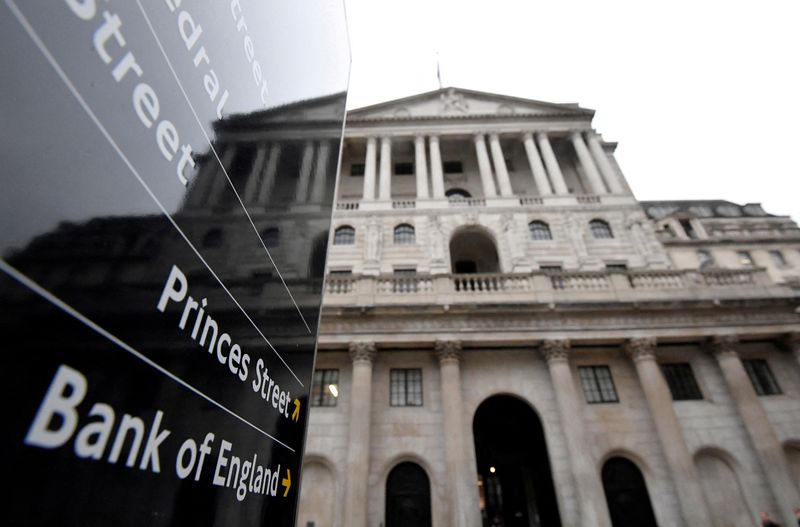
{"x": 509, "y": 337}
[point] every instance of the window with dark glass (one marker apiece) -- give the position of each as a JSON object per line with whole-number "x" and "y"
{"x": 778, "y": 259}
{"x": 405, "y": 387}
{"x": 617, "y": 267}
{"x": 345, "y": 235}
{"x": 550, "y": 269}
{"x": 681, "y": 381}
{"x": 213, "y": 238}
{"x": 357, "y": 169}
{"x": 600, "y": 229}
{"x": 404, "y": 169}
{"x": 404, "y": 234}
{"x": 452, "y": 167}
{"x": 325, "y": 388}
{"x": 597, "y": 384}
{"x": 688, "y": 229}
{"x": 539, "y": 230}
{"x": 271, "y": 237}
{"x": 761, "y": 377}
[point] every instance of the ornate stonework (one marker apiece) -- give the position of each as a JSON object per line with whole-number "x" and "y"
{"x": 723, "y": 345}
{"x": 363, "y": 352}
{"x": 448, "y": 350}
{"x": 555, "y": 350}
{"x": 640, "y": 349}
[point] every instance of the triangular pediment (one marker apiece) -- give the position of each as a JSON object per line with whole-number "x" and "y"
{"x": 461, "y": 103}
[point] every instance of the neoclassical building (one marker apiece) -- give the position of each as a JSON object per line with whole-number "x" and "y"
{"x": 510, "y": 338}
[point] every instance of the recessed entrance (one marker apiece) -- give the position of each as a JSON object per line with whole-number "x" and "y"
{"x": 626, "y": 494}
{"x": 408, "y": 497}
{"x": 473, "y": 251}
{"x": 513, "y": 465}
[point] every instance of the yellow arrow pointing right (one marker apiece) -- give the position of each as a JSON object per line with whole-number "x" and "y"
{"x": 287, "y": 482}
{"x": 296, "y": 412}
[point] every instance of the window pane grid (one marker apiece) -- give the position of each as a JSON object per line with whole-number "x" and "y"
{"x": 321, "y": 394}
{"x": 344, "y": 236}
{"x": 761, "y": 377}
{"x": 404, "y": 234}
{"x": 598, "y": 385}
{"x": 600, "y": 229}
{"x": 539, "y": 230}
{"x": 405, "y": 387}
{"x": 681, "y": 382}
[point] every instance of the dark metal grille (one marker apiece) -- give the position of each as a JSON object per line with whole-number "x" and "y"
{"x": 405, "y": 387}
{"x": 761, "y": 377}
{"x": 681, "y": 382}
{"x": 598, "y": 385}
{"x": 323, "y": 386}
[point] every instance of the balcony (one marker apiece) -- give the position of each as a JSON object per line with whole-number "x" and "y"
{"x": 560, "y": 287}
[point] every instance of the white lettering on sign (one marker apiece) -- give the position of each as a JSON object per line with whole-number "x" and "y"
{"x": 249, "y": 49}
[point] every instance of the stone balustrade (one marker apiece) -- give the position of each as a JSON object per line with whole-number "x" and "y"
{"x": 560, "y": 287}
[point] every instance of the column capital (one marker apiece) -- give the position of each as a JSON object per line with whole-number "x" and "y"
{"x": 362, "y": 352}
{"x": 447, "y": 351}
{"x": 526, "y": 135}
{"x": 641, "y": 349}
{"x": 555, "y": 351}
{"x": 420, "y": 137}
{"x": 723, "y": 345}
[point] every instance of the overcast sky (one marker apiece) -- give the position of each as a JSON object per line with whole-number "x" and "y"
{"x": 701, "y": 96}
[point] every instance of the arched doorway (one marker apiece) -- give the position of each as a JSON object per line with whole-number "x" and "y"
{"x": 513, "y": 465}
{"x": 722, "y": 491}
{"x": 408, "y": 497}
{"x": 317, "y": 496}
{"x": 626, "y": 494}
{"x": 473, "y": 251}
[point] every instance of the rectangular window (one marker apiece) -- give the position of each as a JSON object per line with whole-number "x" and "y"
{"x": 598, "y": 385}
{"x": 453, "y": 167}
{"x": 357, "y": 169}
{"x": 745, "y": 259}
{"x": 405, "y": 387}
{"x": 325, "y": 388}
{"x": 688, "y": 229}
{"x": 404, "y": 169}
{"x": 406, "y": 282}
{"x": 681, "y": 382}
{"x": 761, "y": 377}
{"x": 777, "y": 259}
{"x": 550, "y": 269}
{"x": 617, "y": 268}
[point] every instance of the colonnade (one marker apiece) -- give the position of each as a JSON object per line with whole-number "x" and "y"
{"x": 462, "y": 493}
{"x": 601, "y": 177}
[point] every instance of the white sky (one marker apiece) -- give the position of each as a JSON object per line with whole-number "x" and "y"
{"x": 702, "y": 96}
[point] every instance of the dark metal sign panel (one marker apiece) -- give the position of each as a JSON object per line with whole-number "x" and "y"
{"x": 168, "y": 172}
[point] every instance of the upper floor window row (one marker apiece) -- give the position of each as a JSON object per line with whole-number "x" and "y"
{"x": 539, "y": 230}
{"x": 600, "y": 229}
{"x": 344, "y": 235}
{"x": 404, "y": 234}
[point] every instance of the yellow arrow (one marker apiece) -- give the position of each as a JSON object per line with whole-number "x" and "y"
{"x": 287, "y": 482}
{"x": 296, "y": 412}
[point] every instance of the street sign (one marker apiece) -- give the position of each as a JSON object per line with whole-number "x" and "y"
{"x": 168, "y": 173}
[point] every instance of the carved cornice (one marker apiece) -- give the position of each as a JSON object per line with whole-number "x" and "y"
{"x": 555, "y": 350}
{"x": 640, "y": 349}
{"x": 723, "y": 345}
{"x": 362, "y": 352}
{"x": 447, "y": 351}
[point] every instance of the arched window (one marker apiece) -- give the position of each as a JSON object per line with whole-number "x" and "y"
{"x": 600, "y": 229}
{"x": 404, "y": 234}
{"x": 344, "y": 235}
{"x": 457, "y": 194}
{"x": 626, "y": 494}
{"x": 539, "y": 230}
{"x": 271, "y": 237}
{"x": 213, "y": 238}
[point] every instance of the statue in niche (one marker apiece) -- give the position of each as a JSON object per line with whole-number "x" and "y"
{"x": 575, "y": 233}
{"x": 511, "y": 238}
{"x": 373, "y": 240}
{"x": 436, "y": 240}
{"x": 453, "y": 101}
{"x": 641, "y": 236}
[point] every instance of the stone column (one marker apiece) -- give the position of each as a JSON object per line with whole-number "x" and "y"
{"x": 269, "y": 173}
{"x": 320, "y": 172}
{"x": 385, "y": 191}
{"x": 550, "y": 161}
{"x": 219, "y": 176}
{"x": 609, "y": 174}
{"x": 306, "y": 164}
{"x": 256, "y": 172}
{"x": 500, "y": 166}
{"x": 679, "y": 459}
{"x": 762, "y": 434}
{"x": 484, "y": 166}
{"x": 369, "y": 170}
{"x": 437, "y": 175}
{"x": 358, "y": 446}
{"x": 588, "y": 165}
{"x": 421, "y": 167}
{"x": 461, "y": 488}
{"x": 537, "y": 168}
{"x": 591, "y": 496}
